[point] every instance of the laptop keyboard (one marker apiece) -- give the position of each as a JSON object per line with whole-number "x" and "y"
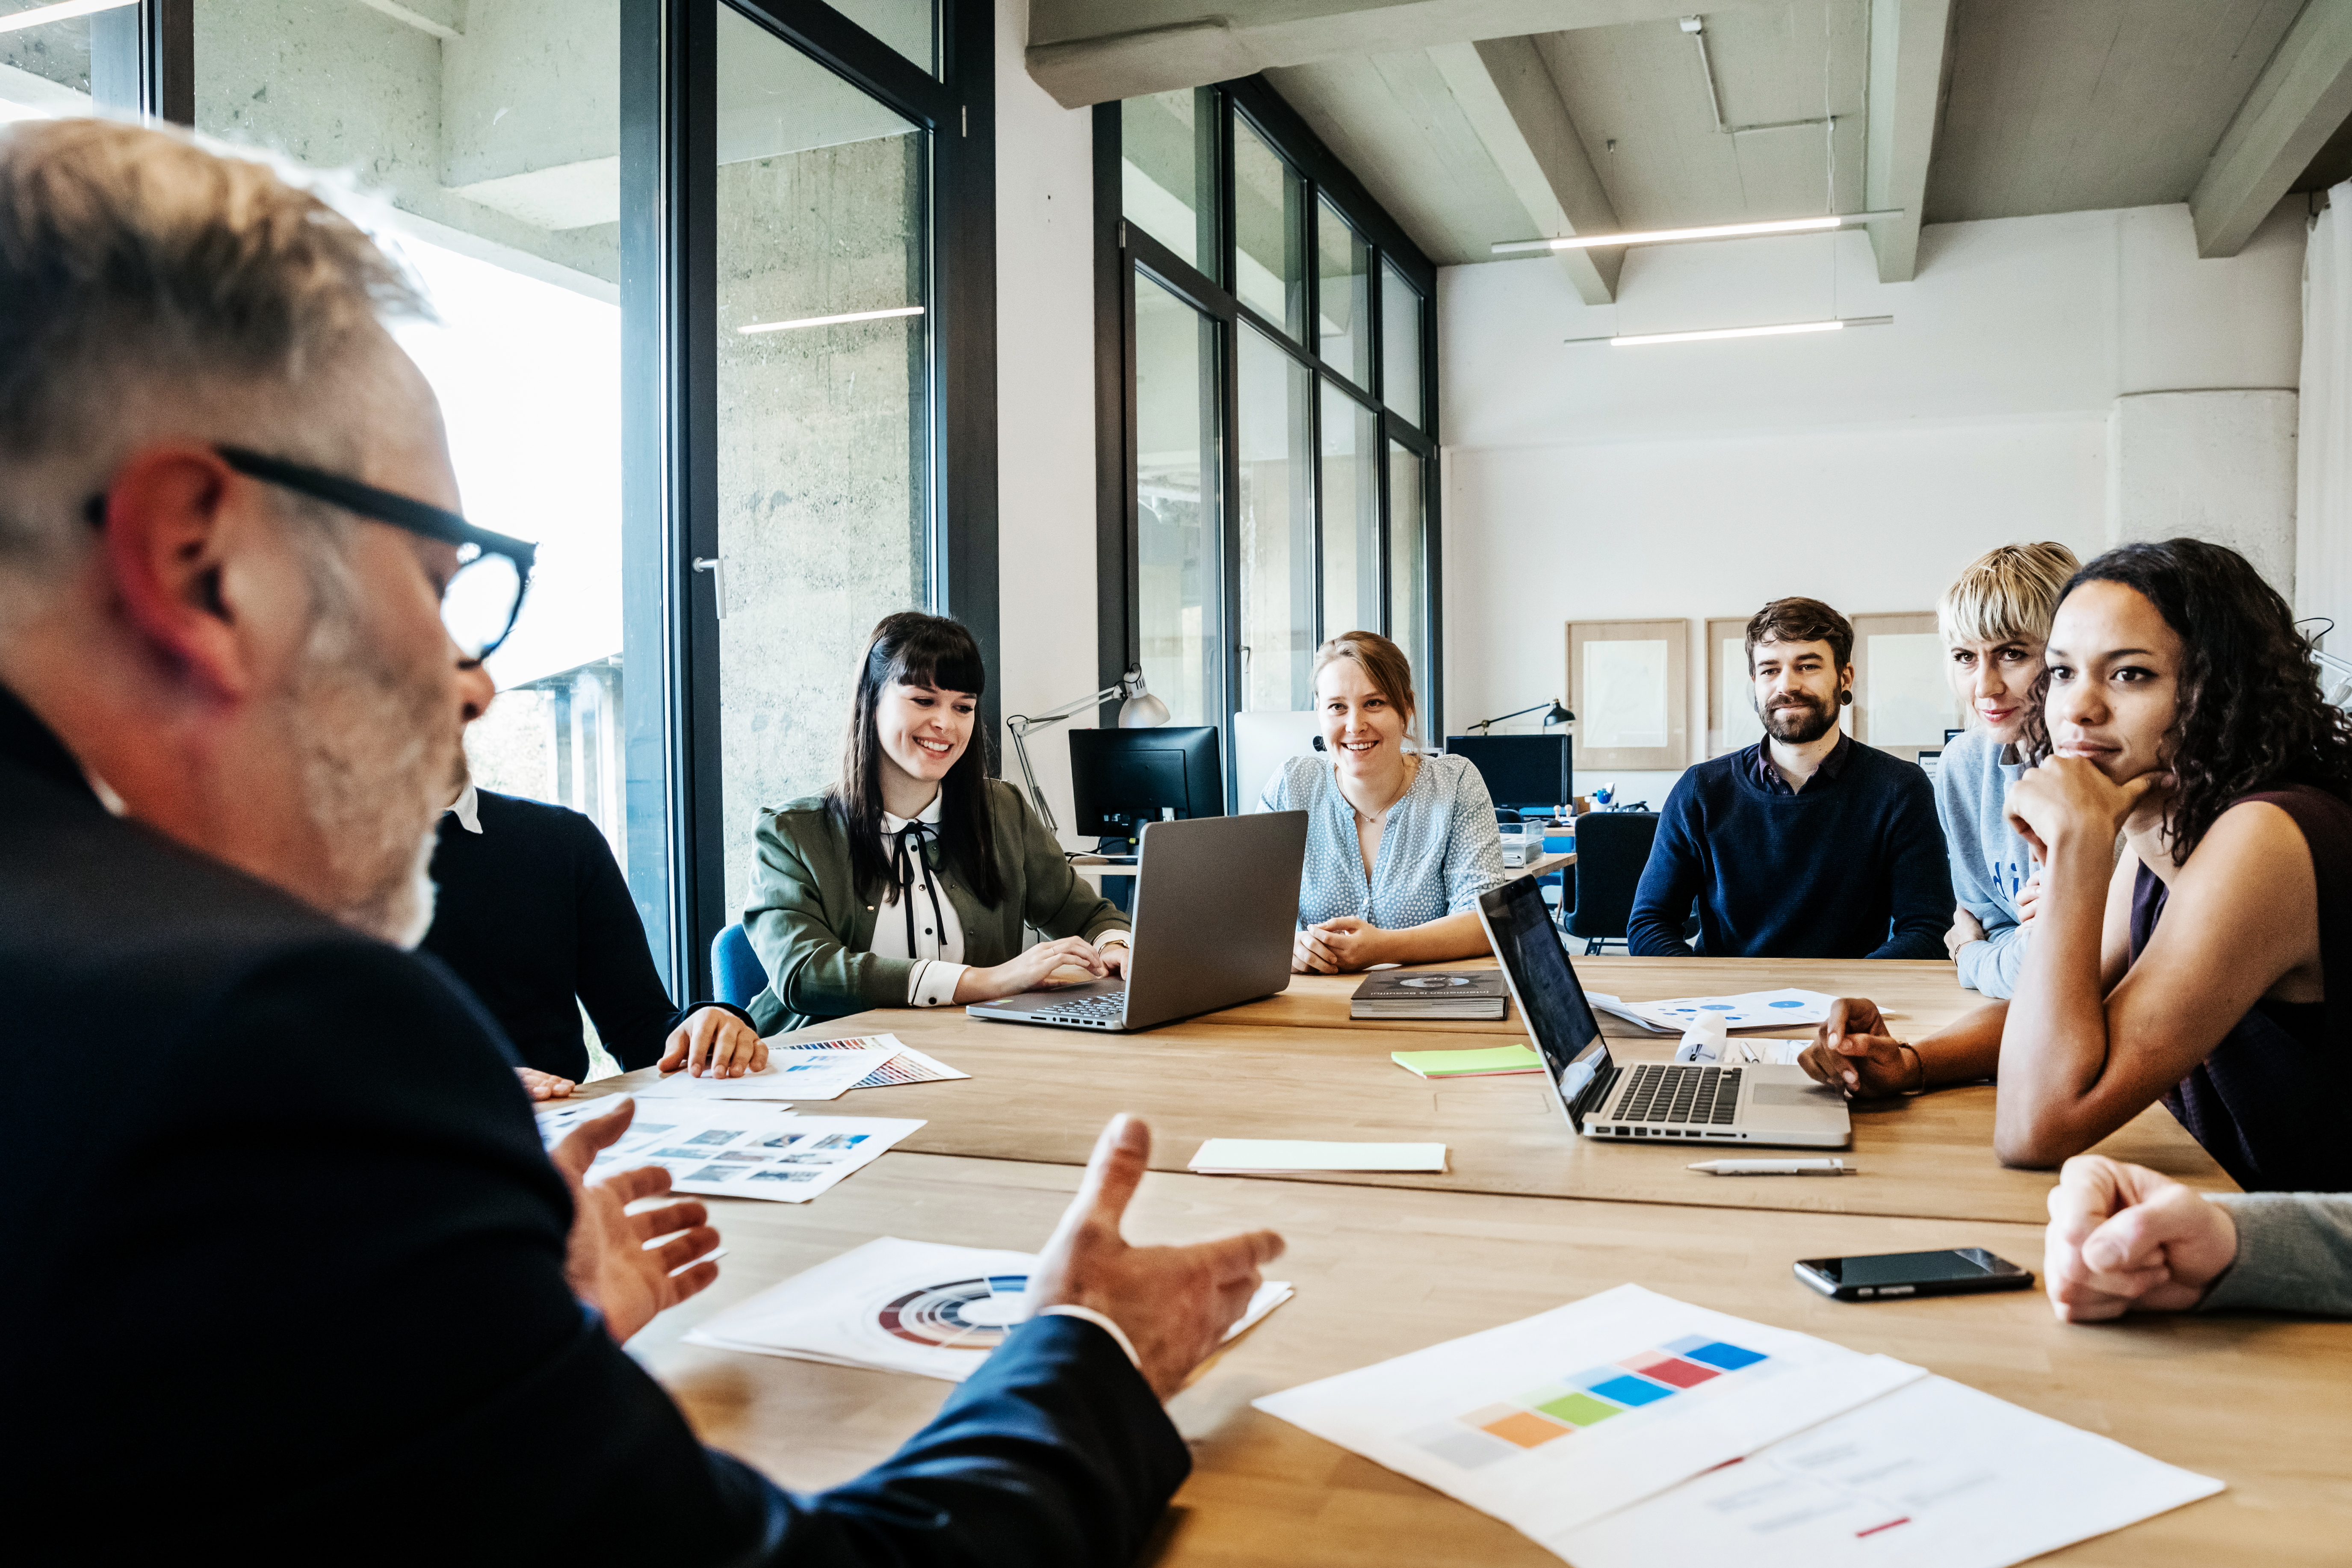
{"x": 1681, "y": 1094}
{"x": 1106, "y": 1009}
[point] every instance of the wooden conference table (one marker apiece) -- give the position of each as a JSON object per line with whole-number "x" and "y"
{"x": 1526, "y": 1218}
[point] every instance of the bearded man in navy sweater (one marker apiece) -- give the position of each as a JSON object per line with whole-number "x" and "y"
{"x": 1804, "y": 845}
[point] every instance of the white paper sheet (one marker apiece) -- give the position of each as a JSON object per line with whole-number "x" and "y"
{"x": 1781, "y": 1009}
{"x": 908, "y": 1066}
{"x": 792, "y": 1073}
{"x": 1552, "y": 1422}
{"x": 741, "y": 1149}
{"x": 1934, "y": 1475}
{"x": 901, "y": 1306}
{"x": 1624, "y": 694}
{"x": 1247, "y": 1156}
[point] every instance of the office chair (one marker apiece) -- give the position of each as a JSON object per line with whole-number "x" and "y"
{"x": 1612, "y": 848}
{"x": 736, "y": 968}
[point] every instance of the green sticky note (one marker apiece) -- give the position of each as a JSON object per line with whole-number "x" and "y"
{"x": 1468, "y": 1064}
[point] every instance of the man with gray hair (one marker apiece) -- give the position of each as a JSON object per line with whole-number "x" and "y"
{"x": 241, "y": 624}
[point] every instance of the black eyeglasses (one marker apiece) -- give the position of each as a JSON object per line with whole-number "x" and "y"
{"x": 482, "y": 601}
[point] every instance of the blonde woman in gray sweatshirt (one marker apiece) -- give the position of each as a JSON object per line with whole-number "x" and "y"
{"x": 1996, "y": 621}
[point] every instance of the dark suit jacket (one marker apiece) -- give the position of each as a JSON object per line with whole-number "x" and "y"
{"x": 532, "y": 912}
{"x": 284, "y": 1273}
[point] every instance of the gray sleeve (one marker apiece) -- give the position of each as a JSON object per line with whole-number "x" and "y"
{"x": 1956, "y": 817}
{"x": 1991, "y": 966}
{"x": 2294, "y": 1254}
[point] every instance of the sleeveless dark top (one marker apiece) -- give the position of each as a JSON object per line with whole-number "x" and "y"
{"x": 2264, "y": 1103}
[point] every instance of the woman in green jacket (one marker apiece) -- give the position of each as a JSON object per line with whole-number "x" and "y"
{"x": 908, "y": 883}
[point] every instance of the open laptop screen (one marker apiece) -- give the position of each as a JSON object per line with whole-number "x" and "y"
{"x": 1558, "y": 1017}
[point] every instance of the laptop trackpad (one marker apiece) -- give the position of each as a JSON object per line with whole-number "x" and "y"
{"x": 1784, "y": 1094}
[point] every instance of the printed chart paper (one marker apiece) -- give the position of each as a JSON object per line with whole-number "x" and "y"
{"x": 901, "y": 1306}
{"x": 1935, "y": 1474}
{"x": 794, "y": 1072}
{"x": 1552, "y": 1422}
{"x": 740, "y": 1148}
{"x": 1249, "y": 1156}
{"x": 908, "y": 1066}
{"x": 1749, "y": 1010}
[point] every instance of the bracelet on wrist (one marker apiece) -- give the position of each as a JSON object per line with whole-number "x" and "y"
{"x": 1921, "y": 1063}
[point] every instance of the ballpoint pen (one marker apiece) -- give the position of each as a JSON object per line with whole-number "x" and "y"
{"x": 1777, "y": 1168}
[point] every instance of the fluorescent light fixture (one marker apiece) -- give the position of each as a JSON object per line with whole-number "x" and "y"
{"x": 1781, "y": 330}
{"x": 1673, "y": 235}
{"x": 41, "y": 16}
{"x": 831, "y": 321}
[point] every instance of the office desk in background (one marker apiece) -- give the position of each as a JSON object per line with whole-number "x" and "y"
{"x": 1544, "y": 865}
{"x": 2264, "y": 1405}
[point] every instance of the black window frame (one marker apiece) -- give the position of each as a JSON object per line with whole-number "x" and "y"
{"x": 1122, "y": 249}
{"x": 669, "y": 380}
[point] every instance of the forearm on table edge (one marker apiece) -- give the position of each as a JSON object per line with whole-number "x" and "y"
{"x": 1989, "y": 967}
{"x": 1965, "y": 1051}
{"x": 1455, "y": 935}
{"x": 2054, "y": 1043}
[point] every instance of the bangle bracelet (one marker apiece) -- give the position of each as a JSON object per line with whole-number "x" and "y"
{"x": 1921, "y": 1062}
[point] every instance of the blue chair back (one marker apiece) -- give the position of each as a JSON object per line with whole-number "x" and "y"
{"x": 736, "y": 968}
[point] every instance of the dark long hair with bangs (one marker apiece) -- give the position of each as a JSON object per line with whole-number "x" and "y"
{"x": 2251, "y": 715}
{"x": 910, "y": 649}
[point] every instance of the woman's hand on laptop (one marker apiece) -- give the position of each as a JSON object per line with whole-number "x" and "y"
{"x": 1029, "y": 971}
{"x": 1854, "y": 1050}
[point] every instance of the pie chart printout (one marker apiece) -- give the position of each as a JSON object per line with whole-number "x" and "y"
{"x": 961, "y": 1315}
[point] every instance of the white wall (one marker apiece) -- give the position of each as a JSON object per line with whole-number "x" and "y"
{"x": 1045, "y": 410}
{"x": 1863, "y": 467}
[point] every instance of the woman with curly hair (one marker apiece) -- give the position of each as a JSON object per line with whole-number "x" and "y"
{"x": 2211, "y": 965}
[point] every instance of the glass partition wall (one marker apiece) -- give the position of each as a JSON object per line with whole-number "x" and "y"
{"x": 1264, "y": 352}
{"x": 714, "y": 289}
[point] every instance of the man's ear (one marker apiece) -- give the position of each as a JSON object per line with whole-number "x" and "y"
{"x": 165, "y": 547}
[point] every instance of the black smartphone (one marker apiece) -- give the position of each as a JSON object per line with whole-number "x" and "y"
{"x": 1961, "y": 1270}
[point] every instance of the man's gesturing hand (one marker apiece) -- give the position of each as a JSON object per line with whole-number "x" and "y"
{"x": 1174, "y": 1302}
{"x": 2123, "y": 1238}
{"x": 606, "y": 1259}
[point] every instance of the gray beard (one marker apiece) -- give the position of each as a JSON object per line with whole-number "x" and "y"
{"x": 375, "y": 772}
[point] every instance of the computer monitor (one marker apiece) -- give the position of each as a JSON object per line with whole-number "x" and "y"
{"x": 1121, "y": 778}
{"x": 1523, "y": 772}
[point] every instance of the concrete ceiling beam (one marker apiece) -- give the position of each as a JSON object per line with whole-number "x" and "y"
{"x": 1515, "y": 107}
{"x": 1097, "y": 51}
{"x": 2299, "y": 101}
{"x": 1910, "y": 70}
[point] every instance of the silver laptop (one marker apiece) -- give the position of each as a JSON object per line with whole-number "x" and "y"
{"x": 1682, "y": 1102}
{"x": 1216, "y": 899}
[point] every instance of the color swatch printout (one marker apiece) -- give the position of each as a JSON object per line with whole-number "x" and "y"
{"x": 737, "y": 1149}
{"x": 1934, "y": 1475}
{"x": 901, "y": 1306}
{"x": 1556, "y": 1420}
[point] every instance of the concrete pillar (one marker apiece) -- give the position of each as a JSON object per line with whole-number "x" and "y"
{"x": 2217, "y": 465}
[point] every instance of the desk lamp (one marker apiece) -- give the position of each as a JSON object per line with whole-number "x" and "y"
{"x": 1559, "y": 715}
{"x": 1141, "y": 710}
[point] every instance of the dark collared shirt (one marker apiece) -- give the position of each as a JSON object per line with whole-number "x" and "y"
{"x": 1758, "y": 760}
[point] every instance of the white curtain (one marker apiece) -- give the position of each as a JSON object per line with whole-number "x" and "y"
{"x": 2322, "y": 576}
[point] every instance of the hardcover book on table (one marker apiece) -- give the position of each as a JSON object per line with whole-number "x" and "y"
{"x": 1421, "y": 994}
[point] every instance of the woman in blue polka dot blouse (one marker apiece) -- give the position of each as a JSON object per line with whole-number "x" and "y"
{"x": 1400, "y": 842}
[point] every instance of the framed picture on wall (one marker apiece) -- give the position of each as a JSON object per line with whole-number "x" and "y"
{"x": 1902, "y": 702}
{"x": 1731, "y": 720}
{"x": 1628, "y": 683}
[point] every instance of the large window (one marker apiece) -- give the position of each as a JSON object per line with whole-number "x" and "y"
{"x": 1265, "y": 328}
{"x": 715, "y": 289}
